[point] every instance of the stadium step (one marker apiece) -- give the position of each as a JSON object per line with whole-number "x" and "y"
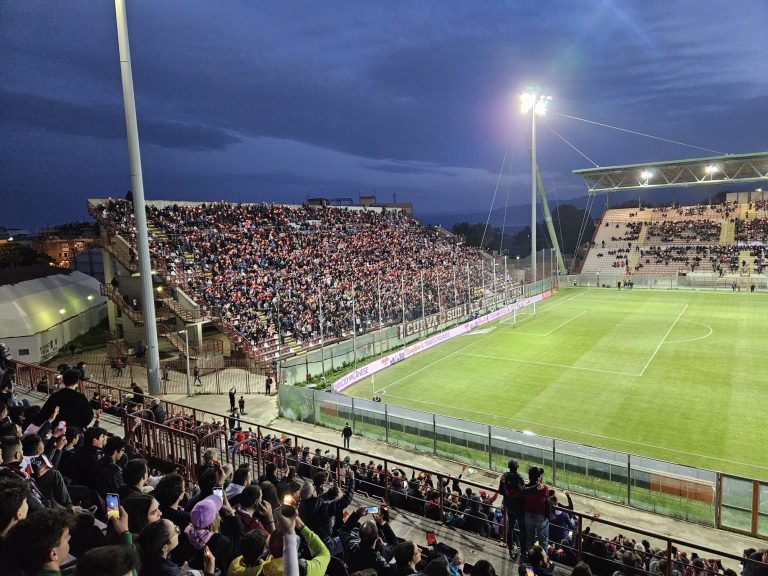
{"x": 727, "y": 233}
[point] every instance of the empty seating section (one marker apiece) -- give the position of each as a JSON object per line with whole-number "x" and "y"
{"x": 717, "y": 239}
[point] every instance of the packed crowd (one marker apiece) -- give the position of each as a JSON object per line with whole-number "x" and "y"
{"x": 263, "y": 266}
{"x": 76, "y": 499}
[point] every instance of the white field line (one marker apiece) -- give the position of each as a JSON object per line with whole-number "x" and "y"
{"x": 474, "y": 341}
{"x": 693, "y": 339}
{"x": 508, "y": 319}
{"x": 581, "y": 313}
{"x": 662, "y": 340}
{"x": 592, "y": 434}
{"x": 506, "y": 358}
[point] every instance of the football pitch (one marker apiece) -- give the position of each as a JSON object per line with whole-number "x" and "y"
{"x": 674, "y": 375}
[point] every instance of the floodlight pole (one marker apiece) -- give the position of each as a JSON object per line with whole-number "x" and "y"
{"x": 152, "y": 354}
{"x": 533, "y": 195}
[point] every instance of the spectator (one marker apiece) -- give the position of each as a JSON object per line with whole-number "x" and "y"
{"x": 250, "y": 562}
{"x": 40, "y": 542}
{"x": 241, "y": 478}
{"x": 407, "y": 556}
{"x": 537, "y": 561}
{"x": 158, "y": 541}
{"x": 169, "y": 493}
{"x": 535, "y": 502}
{"x": 252, "y": 508}
{"x": 142, "y": 509}
{"x": 106, "y": 473}
{"x": 158, "y": 412}
{"x": 83, "y": 459}
{"x": 135, "y": 476}
{"x": 74, "y": 408}
{"x": 366, "y": 549}
{"x": 13, "y": 503}
{"x": 108, "y": 561}
{"x": 318, "y": 513}
{"x": 49, "y": 480}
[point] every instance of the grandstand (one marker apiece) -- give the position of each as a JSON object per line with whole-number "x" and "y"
{"x": 723, "y": 240}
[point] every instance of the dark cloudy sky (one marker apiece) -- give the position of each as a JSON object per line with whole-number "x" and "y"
{"x": 273, "y": 100}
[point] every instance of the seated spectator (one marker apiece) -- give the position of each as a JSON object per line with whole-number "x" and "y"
{"x": 49, "y": 480}
{"x": 108, "y": 561}
{"x": 142, "y": 509}
{"x": 40, "y": 542}
{"x": 169, "y": 493}
{"x": 12, "y": 457}
{"x": 158, "y": 540}
{"x": 207, "y": 528}
{"x": 318, "y": 512}
{"x": 158, "y": 412}
{"x": 13, "y": 503}
{"x": 78, "y": 466}
{"x": 241, "y": 478}
{"x": 537, "y": 561}
{"x": 135, "y": 476}
{"x": 432, "y": 508}
{"x": 407, "y": 556}
{"x": 106, "y": 473}
{"x": 250, "y": 562}
{"x": 366, "y": 549}
{"x": 252, "y": 508}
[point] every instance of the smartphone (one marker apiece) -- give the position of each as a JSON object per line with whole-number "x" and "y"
{"x": 62, "y": 425}
{"x": 219, "y": 491}
{"x": 113, "y": 506}
{"x": 431, "y": 538}
{"x": 372, "y": 509}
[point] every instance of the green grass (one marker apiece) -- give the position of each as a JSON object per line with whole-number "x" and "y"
{"x": 675, "y": 376}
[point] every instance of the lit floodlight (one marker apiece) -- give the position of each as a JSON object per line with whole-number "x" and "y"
{"x": 10, "y": 239}
{"x": 646, "y": 175}
{"x": 711, "y": 169}
{"x": 90, "y": 296}
{"x": 62, "y": 311}
{"x": 533, "y": 100}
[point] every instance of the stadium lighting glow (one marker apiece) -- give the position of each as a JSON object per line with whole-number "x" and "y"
{"x": 646, "y": 175}
{"x": 90, "y": 296}
{"x": 62, "y": 311}
{"x": 711, "y": 169}
{"x": 533, "y": 99}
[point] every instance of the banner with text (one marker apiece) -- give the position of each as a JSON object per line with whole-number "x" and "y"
{"x": 387, "y": 361}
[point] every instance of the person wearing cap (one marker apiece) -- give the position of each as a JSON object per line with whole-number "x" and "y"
{"x": 213, "y": 524}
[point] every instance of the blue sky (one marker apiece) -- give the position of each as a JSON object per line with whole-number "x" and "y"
{"x": 276, "y": 101}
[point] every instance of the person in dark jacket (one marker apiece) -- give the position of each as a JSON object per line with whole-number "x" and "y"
{"x": 79, "y": 464}
{"x": 74, "y": 408}
{"x": 511, "y": 486}
{"x": 169, "y": 493}
{"x": 366, "y": 549}
{"x": 538, "y": 562}
{"x": 317, "y": 513}
{"x": 106, "y": 473}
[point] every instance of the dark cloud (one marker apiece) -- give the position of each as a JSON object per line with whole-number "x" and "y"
{"x": 107, "y": 122}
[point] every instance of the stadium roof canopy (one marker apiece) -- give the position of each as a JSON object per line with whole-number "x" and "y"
{"x": 731, "y": 168}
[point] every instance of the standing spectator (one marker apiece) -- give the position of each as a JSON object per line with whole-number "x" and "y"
{"x": 138, "y": 395}
{"x": 241, "y": 403}
{"x": 346, "y": 434}
{"x": 158, "y": 412}
{"x": 81, "y": 368}
{"x": 166, "y": 375}
{"x": 196, "y": 374}
{"x": 232, "y": 395}
{"x": 118, "y": 366}
{"x": 268, "y": 385}
{"x": 511, "y": 486}
{"x": 319, "y": 513}
{"x": 535, "y": 498}
{"x": 74, "y": 408}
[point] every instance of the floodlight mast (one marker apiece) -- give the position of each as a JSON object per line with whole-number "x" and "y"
{"x": 533, "y": 101}
{"x": 139, "y": 210}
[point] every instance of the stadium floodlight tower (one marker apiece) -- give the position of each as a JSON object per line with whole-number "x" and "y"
{"x": 139, "y": 210}
{"x": 533, "y": 101}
